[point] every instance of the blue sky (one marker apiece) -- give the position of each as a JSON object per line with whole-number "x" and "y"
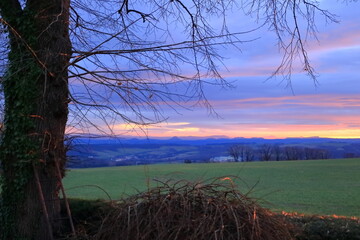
{"x": 272, "y": 108}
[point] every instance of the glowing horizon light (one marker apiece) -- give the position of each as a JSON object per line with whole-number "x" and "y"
{"x": 278, "y": 108}
{"x": 267, "y": 131}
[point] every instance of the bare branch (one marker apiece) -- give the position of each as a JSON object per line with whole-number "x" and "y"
{"x": 283, "y": 17}
{"x": 141, "y": 60}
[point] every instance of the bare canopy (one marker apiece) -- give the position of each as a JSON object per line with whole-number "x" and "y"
{"x": 129, "y": 58}
{"x": 114, "y": 61}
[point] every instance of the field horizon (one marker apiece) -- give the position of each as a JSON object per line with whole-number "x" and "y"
{"x": 321, "y": 187}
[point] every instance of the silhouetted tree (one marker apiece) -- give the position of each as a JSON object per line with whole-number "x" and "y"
{"x": 249, "y": 155}
{"x": 293, "y": 153}
{"x": 278, "y": 153}
{"x": 324, "y": 154}
{"x": 315, "y": 153}
{"x": 236, "y": 151}
{"x": 115, "y": 60}
{"x": 266, "y": 151}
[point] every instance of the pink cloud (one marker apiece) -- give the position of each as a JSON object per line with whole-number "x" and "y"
{"x": 332, "y": 101}
{"x": 268, "y": 131}
{"x": 346, "y": 36}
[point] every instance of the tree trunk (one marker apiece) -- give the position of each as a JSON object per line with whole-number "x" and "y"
{"x": 36, "y": 110}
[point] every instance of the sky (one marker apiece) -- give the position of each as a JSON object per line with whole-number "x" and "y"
{"x": 272, "y": 108}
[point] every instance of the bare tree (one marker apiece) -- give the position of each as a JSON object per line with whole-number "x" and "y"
{"x": 310, "y": 153}
{"x": 249, "y": 154}
{"x": 241, "y": 152}
{"x": 112, "y": 60}
{"x": 236, "y": 151}
{"x": 278, "y": 153}
{"x": 266, "y": 151}
{"x": 315, "y": 153}
{"x": 324, "y": 154}
{"x": 293, "y": 153}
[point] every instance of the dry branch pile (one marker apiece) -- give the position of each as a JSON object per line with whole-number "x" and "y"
{"x": 192, "y": 211}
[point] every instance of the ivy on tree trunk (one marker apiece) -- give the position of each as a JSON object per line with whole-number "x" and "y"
{"x": 36, "y": 109}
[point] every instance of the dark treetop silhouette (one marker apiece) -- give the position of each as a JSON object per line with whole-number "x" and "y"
{"x": 115, "y": 60}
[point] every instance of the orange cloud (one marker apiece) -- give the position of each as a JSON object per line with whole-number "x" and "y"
{"x": 335, "y": 116}
{"x": 257, "y": 130}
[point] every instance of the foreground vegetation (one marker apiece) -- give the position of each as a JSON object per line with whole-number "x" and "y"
{"x": 216, "y": 208}
{"x": 200, "y": 211}
{"x": 323, "y": 187}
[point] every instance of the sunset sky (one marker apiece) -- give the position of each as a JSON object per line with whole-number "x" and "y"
{"x": 269, "y": 108}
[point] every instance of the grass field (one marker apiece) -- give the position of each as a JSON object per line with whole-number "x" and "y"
{"x": 322, "y": 187}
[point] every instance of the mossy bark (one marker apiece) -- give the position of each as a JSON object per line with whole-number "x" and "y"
{"x": 36, "y": 109}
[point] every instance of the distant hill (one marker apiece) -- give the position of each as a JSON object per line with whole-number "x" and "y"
{"x": 97, "y": 152}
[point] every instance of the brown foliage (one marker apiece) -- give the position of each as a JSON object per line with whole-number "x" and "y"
{"x": 198, "y": 211}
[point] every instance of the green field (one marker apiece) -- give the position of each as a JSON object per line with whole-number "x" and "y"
{"x": 323, "y": 187}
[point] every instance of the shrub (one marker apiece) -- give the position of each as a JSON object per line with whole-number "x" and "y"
{"x": 329, "y": 228}
{"x": 192, "y": 211}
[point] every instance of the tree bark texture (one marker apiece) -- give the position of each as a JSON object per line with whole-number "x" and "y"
{"x": 36, "y": 109}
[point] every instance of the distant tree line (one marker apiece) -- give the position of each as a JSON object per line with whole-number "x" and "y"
{"x": 274, "y": 152}
{"x": 95, "y": 156}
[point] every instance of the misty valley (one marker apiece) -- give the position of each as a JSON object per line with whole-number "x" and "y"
{"x": 86, "y": 153}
